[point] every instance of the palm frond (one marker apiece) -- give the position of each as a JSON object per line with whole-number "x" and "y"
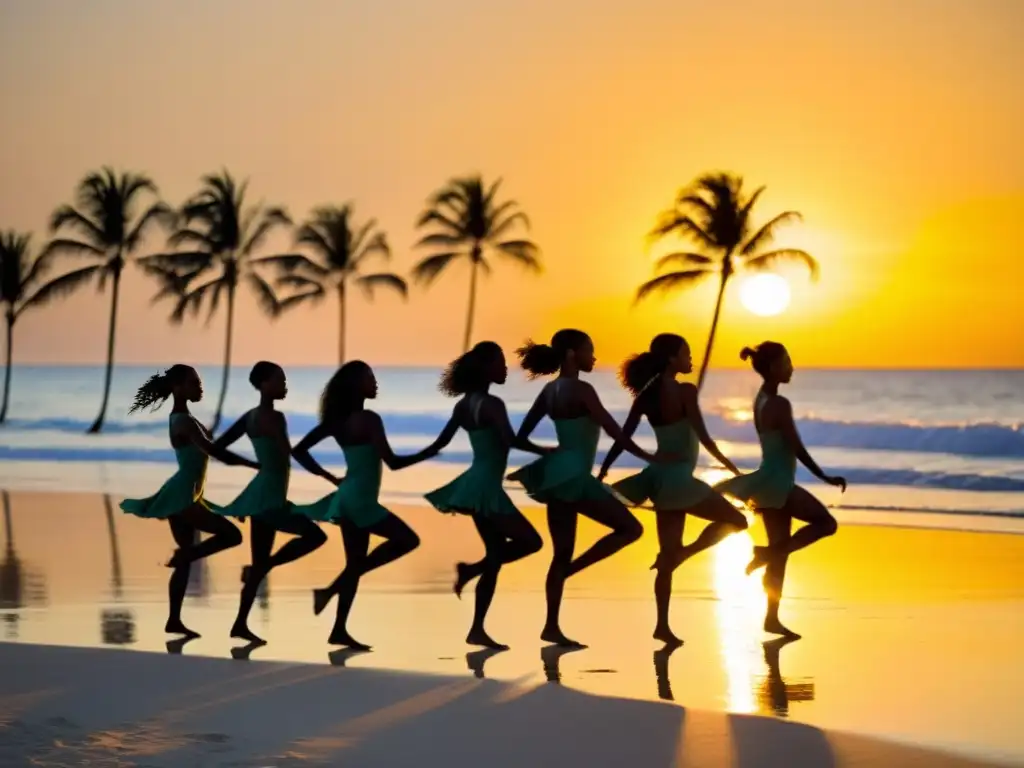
{"x": 768, "y": 260}
{"x": 524, "y": 252}
{"x": 299, "y": 299}
{"x": 682, "y": 259}
{"x": 173, "y": 284}
{"x": 62, "y": 286}
{"x": 427, "y": 270}
{"x": 766, "y": 234}
{"x": 500, "y": 228}
{"x": 266, "y": 299}
{"x": 694, "y": 200}
{"x": 300, "y": 282}
{"x": 66, "y": 216}
{"x": 376, "y": 246}
{"x": 156, "y": 213}
{"x": 670, "y": 282}
{"x": 179, "y": 261}
{"x": 383, "y": 280}
{"x": 188, "y": 236}
{"x": 312, "y": 234}
{"x": 290, "y": 262}
{"x": 442, "y": 239}
{"x": 191, "y": 301}
{"x": 675, "y": 222}
{"x": 441, "y": 219}
{"x": 271, "y": 219}
{"x": 66, "y": 247}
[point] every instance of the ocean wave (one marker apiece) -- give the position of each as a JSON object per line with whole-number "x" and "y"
{"x": 974, "y": 440}
{"x": 330, "y": 453}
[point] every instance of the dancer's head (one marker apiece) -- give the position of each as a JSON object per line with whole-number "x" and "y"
{"x": 482, "y": 366}
{"x": 567, "y": 346}
{"x": 668, "y": 352}
{"x": 179, "y": 381}
{"x": 269, "y": 379}
{"x": 345, "y": 392}
{"x": 771, "y": 360}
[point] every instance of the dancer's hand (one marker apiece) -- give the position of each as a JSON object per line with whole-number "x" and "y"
{"x": 838, "y": 481}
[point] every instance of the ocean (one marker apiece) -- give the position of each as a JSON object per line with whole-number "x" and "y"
{"x": 934, "y": 442}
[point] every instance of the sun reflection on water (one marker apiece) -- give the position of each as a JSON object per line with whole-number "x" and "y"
{"x": 739, "y": 610}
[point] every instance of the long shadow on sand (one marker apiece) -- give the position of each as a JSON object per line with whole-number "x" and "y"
{"x": 72, "y": 706}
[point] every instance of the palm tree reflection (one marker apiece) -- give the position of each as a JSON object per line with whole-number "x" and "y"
{"x": 117, "y": 625}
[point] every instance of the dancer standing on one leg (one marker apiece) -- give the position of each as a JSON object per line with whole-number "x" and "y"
{"x": 564, "y": 480}
{"x": 354, "y": 505}
{"x": 507, "y": 535}
{"x": 180, "y": 500}
{"x": 771, "y": 489}
{"x": 265, "y": 500}
{"x": 672, "y": 409}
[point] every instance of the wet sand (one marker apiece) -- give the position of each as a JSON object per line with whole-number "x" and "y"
{"x": 911, "y": 635}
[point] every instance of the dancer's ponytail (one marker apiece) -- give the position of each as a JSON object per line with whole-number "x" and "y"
{"x": 158, "y": 388}
{"x": 546, "y": 359}
{"x": 637, "y": 373}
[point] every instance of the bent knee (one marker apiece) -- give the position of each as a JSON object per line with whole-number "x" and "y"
{"x": 411, "y": 540}
{"x": 631, "y": 530}
{"x": 532, "y": 543}
{"x": 828, "y": 526}
{"x": 316, "y": 535}
{"x": 232, "y": 535}
{"x": 738, "y": 521}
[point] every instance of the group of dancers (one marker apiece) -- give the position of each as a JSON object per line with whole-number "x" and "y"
{"x": 561, "y": 478}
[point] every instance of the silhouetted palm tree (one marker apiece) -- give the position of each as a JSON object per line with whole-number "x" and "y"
{"x": 715, "y": 214}
{"x": 466, "y": 221}
{"x": 110, "y": 232}
{"x": 340, "y": 252}
{"x": 216, "y": 238}
{"x": 20, "y": 289}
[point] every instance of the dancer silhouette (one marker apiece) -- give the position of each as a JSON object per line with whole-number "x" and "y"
{"x": 672, "y": 409}
{"x": 771, "y": 489}
{"x": 180, "y": 500}
{"x": 265, "y": 499}
{"x": 507, "y": 535}
{"x": 354, "y": 506}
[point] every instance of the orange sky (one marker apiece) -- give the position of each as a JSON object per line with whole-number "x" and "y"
{"x": 894, "y": 127}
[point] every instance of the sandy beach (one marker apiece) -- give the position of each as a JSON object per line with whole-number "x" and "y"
{"x": 63, "y": 707}
{"x": 911, "y": 635}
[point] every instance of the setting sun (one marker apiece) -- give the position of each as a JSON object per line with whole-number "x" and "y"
{"x": 765, "y": 294}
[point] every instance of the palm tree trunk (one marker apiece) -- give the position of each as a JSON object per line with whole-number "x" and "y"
{"x": 472, "y": 301}
{"x": 341, "y": 323}
{"x": 711, "y": 333}
{"x": 227, "y": 359}
{"x": 115, "y": 552}
{"x": 8, "y": 524}
{"x": 7, "y": 366}
{"x": 111, "y": 331}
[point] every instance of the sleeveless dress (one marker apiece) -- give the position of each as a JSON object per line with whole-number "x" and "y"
{"x": 355, "y": 499}
{"x": 768, "y": 486}
{"x": 668, "y": 486}
{"x": 478, "y": 491}
{"x": 183, "y": 489}
{"x": 567, "y": 473}
{"x": 266, "y": 495}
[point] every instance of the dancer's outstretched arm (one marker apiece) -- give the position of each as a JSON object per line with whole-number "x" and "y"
{"x": 232, "y": 434}
{"x": 198, "y": 438}
{"x": 495, "y": 409}
{"x": 302, "y": 455}
{"x": 537, "y": 411}
{"x": 607, "y": 422}
{"x": 688, "y": 392}
{"x": 379, "y": 439}
{"x": 628, "y": 430}
{"x": 785, "y": 415}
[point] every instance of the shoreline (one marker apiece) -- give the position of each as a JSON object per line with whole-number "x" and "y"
{"x": 61, "y": 705}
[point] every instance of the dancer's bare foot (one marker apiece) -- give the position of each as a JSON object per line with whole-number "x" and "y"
{"x": 477, "y": 636}
{"x": 342, "y": 637}
{"x": 760, "y": 559}
{"x": 667, "y": 636}
{"x": 242, "y": 632}
{"x": 555, "y": 636}
{"x": 321, "y": 597}
{"x": 462, "y": 578}
{"x": 776, "y": 627}
{"x": 177, "y": 627}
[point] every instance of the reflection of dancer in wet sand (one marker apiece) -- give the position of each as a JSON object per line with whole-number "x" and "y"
{"x": 774, "y": 694}
{"x": 563, "y": 480}
{"x": 506, "y": 534}
{"x": 672, "y": 409}
{"x": 771, "y": 489}
{"x": 180, "y": 500}
{"x": 265, "y": 500}
{"x": 354, "y": 505}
